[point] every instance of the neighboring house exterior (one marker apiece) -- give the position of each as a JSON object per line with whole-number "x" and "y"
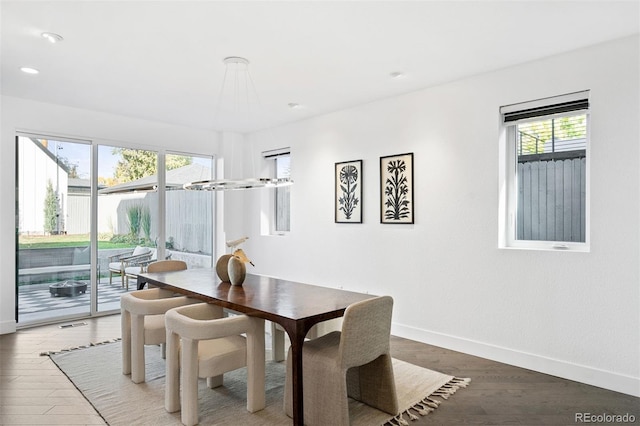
{"x": 44, "y": 167}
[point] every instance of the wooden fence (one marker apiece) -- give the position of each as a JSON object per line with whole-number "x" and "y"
{"x": 189, "y": 217}
{"x": 552, "y": 197}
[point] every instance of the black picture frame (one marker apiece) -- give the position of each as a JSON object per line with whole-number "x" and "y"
{"x": 348, "y": 192}
{"x": 396, "y": 189}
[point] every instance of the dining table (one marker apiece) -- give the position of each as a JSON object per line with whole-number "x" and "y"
{"x": 295, "y": 306}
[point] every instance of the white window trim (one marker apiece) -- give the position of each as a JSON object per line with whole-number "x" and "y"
{"x": 508, "y": 184}
{"x": 268, "y": 198}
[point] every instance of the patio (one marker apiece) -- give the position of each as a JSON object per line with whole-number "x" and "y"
{"x": 36, "y": 303}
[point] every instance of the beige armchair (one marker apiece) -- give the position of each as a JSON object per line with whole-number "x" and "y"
{"x": 209, "y": 347}
{"x": 167, "y": 265}
{"x": 142, "y": 323}
{"x": 152, "y": 265}
{"x": 362, "y": 349}
{"x": 320, "y": 329}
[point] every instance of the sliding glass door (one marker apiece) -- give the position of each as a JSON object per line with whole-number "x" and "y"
{"x": 91, "y": 217}
{"x": 127, "y": 220}
{"x": 53, "y": 194}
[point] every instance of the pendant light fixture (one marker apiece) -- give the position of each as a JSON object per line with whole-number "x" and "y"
{"x": 240, "y": 68}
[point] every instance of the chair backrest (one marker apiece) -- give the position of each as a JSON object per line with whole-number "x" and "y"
{"x": 154, "y": 301}
{"x": 167, "y": 265}
{"x": 366, "y": 330}
{"x": 140, "y": 250}
{"x": 204, "y": 321}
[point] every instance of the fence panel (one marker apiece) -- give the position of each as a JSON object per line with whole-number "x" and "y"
{"x": 78, "y": 220}
{"x": 552, "y": 200}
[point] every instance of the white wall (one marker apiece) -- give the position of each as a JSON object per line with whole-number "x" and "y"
{"x": 55, "y": 120}
{"x": 573, "y": 315}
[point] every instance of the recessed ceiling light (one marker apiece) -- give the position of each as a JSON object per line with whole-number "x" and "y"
{"x": 53, "y": 38}
{"x": 397, "y": 75}
{"x": 294, "y": 105}
{"x": 29, "y": 70}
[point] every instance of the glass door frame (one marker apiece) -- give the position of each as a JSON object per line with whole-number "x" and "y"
{"x": 94, "y": 145}
{"x": 92, "y": 237}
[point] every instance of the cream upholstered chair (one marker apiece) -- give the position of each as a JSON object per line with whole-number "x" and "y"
{"x": 362, "y": 346}
{"x": 319, "y": 329}
{"x": 167, "y": 265}
{"x": 142, "y": 323}
{"x": 202, "y": 344}
{"x": 161, "y": 266}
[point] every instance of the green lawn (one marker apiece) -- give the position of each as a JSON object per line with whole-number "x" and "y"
{"x": 78, "y": 240}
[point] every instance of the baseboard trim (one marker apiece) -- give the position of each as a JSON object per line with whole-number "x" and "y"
{"x": 566, "y": 370}
{"x": 7, "y": 327}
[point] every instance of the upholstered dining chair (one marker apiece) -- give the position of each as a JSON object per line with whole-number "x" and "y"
{"x": 362, "y": 349}
{"x": 167, "y": 265}
{"x": 142, "y": 323}
{"x": 278, "y": 339}
{"x": 203, "y": 344}
{"x": 157, "y": 266}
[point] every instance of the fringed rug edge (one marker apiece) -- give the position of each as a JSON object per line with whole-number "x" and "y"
{"x": 428, "y": 404}
{"x": 75, "y": 348}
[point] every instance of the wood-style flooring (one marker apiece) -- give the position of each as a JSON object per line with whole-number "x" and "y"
{"x": 34, "y": 392}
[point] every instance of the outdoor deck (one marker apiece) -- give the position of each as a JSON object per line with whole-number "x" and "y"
{"x": 37, "y": 304}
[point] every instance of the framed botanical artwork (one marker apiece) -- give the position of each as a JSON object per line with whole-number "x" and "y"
{"x": 348, "y": 192}
{"x": 396, "y": 189}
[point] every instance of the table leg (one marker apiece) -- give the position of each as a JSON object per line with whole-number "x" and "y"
{"x": 296, "y": 336}
{"x": 141, "y": 282}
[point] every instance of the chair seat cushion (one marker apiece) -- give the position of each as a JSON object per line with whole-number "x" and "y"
{"x": 132, "y": 270}
{"x": 154, "y": 331}
{"x": 115, "y": 266}
{"x": 229, "y": 353}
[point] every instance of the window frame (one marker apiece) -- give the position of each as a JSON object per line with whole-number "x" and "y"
{"x": 270, "y": 203}
{"x": 508, "y": 177}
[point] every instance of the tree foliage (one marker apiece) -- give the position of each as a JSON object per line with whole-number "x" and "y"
{"x": 50, "y": 209}
{"x": 136, "y": 163}
{"x": 537, "y": 135}
{"x": 72, "y": 168}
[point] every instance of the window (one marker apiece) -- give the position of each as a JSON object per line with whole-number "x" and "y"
{"x": 544, "y": 173}
{"x": 281, "y": 201}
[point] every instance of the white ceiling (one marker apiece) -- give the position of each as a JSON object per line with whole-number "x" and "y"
{"x": 162, "y": 60}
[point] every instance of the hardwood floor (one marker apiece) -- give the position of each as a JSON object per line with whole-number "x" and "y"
{"x": 33, "y": 390}
{"x": 501, "y": 394}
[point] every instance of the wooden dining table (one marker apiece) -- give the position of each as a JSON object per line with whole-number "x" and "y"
{"x": 295, "y": 306}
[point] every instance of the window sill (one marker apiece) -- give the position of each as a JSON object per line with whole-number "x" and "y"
{"x": 547, "y": 246}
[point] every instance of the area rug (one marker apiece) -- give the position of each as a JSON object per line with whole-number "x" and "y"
{"x": 96, "y": 371}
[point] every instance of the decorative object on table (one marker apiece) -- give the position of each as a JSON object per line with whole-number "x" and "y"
{"x": 237, "y": 271}
{"x": 236, "y": 94}
{"x": 236, "y": 267}
{"x": 348, "y": 192}
{"x": 396, "y": 189}
{"x": 231, "y": 267}
{"x": 222, "y": 265}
